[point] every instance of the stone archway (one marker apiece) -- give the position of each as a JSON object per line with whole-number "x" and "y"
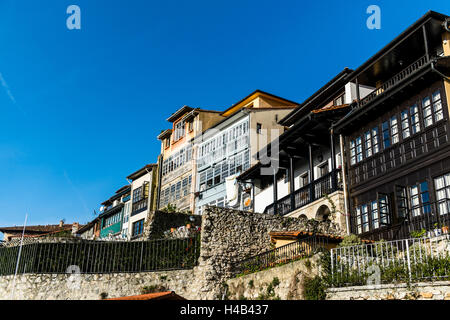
{"x": 323, "y": 213}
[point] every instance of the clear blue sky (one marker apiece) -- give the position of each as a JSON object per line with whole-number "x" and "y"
{"x": 81, "y": 109}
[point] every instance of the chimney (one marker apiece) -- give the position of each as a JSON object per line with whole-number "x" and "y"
{"x": 75, "y": 227}
{"x": 61, "y": 223}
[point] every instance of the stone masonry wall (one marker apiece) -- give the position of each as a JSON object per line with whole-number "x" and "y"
{"x": 418, "y": 291}
{"x": 90, "y": 286}
{"x": 284, "y": 282}
{"x": 227, "y": 236}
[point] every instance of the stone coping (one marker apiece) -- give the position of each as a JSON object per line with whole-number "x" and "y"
{"x": 389, "y": 286}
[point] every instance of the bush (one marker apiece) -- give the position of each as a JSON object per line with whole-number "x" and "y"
{"x": 314, "y": 288}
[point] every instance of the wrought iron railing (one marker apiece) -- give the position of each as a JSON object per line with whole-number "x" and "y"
{"x": 318, "y": 189}
{"x": 291, "y": 252}
{"x": 392, "y": 82}
{"x": 408, "y": 260}
{"x": 101, "y": 256}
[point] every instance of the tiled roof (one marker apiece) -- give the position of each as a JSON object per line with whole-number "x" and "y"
{"x": 168, "y": 295}
{"x": 330, "y": 108}
{"x": 36, "y": 229}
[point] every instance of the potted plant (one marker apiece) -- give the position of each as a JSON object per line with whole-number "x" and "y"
{"x": 437, "y": 230}
{"x": 445, "y": 229}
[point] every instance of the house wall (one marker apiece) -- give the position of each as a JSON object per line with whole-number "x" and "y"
{"x": 144, "y": 214}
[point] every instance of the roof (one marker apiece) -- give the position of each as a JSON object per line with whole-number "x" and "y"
{"x": 88, "y": 226}
{"x": 425, "y": 18}
{"x": 168, "y": 295}
{"x": 299, "y": 234}
{"x": 36, "y": 229}
{"x": 141, "y": 172}
{"x": 164, "y": 134}
{"x": 330, "y": 108}
{"x": 252, "y": 96}
{"x": 185, "y": 109}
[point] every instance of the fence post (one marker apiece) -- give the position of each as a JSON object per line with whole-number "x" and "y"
{"x": 409, "y": 259}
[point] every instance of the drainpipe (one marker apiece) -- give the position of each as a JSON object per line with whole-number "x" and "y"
{"x": 344, "y": 185}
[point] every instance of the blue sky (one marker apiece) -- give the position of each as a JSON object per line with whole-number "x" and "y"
{"x": 81, "y": 109}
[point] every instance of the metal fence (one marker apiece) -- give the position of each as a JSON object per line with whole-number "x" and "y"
{"x": 408, "y": 260}
{"x": 101, "y": 257}
{"x": 287, "y": 253}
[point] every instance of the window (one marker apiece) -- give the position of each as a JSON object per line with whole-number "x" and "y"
{"x": 178, "y": 191}
{"x": 386, "y": 135}
{"x": 352, "y": 152}
{"x": 375, "y": 140}
{"x": 167, "y": 142}
{"x": 375, "y": 215}
{"x": 420, "y": 199}
{"x": 138, "y": 228}
{"x": 368, "y": 144}
{"x": 401, "y": 197}
{"x": 209, "y": 177}
{"x": 437, "y": 106}
{"x": 405, "y": 124}
{"x": 258, "y": 128}
{"x": 394, "y": 130}
{"x": 427, "y": 114}
{"x": 304, "y": 179}
{"x": 191, "y": 126}
{"x": 137, "y": 194}
{"x": 323, "y": 169}
{"x": 442, "y": 185}
{"x": 384, "y": 209}
{"x": 179, "y": 130}
{"x": 415, "y": 121}
{"x": 359, "y": 156}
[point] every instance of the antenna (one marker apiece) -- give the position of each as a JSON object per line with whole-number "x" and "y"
{"x": 18, "y": 257}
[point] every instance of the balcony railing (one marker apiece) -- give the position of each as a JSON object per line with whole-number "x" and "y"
{"x": 319, "y": 188}
{"x": 399, "y": 77}
{"x": 288, "y": 253}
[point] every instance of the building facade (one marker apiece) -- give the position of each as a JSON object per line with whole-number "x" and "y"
{"x": 224, "y": 151}
{"x": 306, "y": 178}
{"x": 143, "y": 190}
{"x": 397, "y": 137}
{"x": 112, "y": 215}
{"x": 177, "y": 164}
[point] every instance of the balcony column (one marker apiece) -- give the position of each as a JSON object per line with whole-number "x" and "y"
{"x": 358, "y": 96}
{"x": 312, "y": 194}
{"x": 333, "y": 162}
{"x": 291, "y": 181}
{"x": 275, "y": 193}
{"x": 425, "y": 40}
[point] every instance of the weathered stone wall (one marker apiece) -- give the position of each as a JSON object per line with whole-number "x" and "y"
{"x": 418, "y": 291}
{"x": 159, "y": 222}
{"x": 91, "y": 286}
{"x": 227, "y": 236}
{"x": 284, "y": 282}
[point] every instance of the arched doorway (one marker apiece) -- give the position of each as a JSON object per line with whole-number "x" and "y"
{"x": 323, "y": 213}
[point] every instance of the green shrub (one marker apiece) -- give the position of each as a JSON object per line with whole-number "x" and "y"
{"x": 314, "y": 288}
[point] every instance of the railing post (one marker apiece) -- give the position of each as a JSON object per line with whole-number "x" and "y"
{"x": 409, "y": 259}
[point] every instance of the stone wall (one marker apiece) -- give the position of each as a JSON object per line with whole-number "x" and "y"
{"x": 227, "y": 236}
{"x": 418, "y": 291}
{"x": 159, "y": 222}
{"x": 91, "y": 286}
{"x": 284, "y": 282}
